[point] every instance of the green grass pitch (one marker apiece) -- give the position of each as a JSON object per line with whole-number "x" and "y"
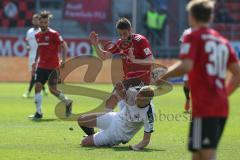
{"x": 23, "y": 139}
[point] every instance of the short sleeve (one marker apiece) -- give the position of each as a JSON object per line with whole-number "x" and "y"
{"x": 149, "y": 121}
{"x": 232, "y": 55}
{"x": 36, "y": 37}
{"x": 58, "y": 38}
{"x": 28, "y": 35}
{"x": 145, "y": 47}
{"x": 188, "y": 48}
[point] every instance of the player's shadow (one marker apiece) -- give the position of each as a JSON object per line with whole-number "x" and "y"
{"x": 46, "y": 120}
{"x": 126, "y": 148}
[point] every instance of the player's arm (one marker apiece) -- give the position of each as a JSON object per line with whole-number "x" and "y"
{"x": 146, "y": 53}
{"x": 141, "y": 145}
{"x": 64, "y": 49}
{"x": 35, "y": 62}
{"x": 179, "y": 68}
{"x": 27, "y": 42}
{"x": 234, "y": 82}
{"x": 147, "y": 60}
{"x": 100, "y": 52}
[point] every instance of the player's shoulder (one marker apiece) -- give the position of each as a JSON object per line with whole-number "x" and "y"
{"x": 138, "y": 37}
{"x": 30, "y": 30}
{"x": 212, "y": 34}
{"x": 52, "y": 31}
{"x": 185, "y": 32}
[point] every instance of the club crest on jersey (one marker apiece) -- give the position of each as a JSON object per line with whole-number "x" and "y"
{"x": 46, "y": 38}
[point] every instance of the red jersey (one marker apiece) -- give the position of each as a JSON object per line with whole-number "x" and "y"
{"x": 141, "y": 50}
{"x": 211, "y": 54}
{"x": 48, "y": 48}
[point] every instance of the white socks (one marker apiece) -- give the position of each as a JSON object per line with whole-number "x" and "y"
{"x": 63, "y": 98}
{"x": 38, "y": 101}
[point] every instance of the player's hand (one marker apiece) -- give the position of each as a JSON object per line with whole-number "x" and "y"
{"x": 62, "y": 64}
{"x": 28, "y": 48}
{"x": 33, "y": 68}
{"x": 131, "y": 55}
{"x": 134, "y": 148}
{"x": 93, "y": 37}
{"x": 120, "y": 89}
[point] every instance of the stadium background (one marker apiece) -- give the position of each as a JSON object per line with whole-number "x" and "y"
{"x": 75, "y": 19}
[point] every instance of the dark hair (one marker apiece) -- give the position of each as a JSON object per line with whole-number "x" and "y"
{"x": 123, "y": 23}
{"x": 45, "y": 14}
{"x": 201, "y": 10}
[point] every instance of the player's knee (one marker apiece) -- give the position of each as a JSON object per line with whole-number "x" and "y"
{"x": 82, "y": 121}
{"x": 38, "y": 87}
{"x": 88, "y": 141}
{"x": 208, "y": 154}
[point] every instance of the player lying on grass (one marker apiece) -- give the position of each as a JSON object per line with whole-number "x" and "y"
{"x": 120, "y": 127}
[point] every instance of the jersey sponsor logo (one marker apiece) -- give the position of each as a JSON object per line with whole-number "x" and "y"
{"x": 147, "y": 51}
{"x": 184, "y": 49}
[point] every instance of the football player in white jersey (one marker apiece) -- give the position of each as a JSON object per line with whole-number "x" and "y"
{"x": 120, "y": 127}
{"x": 31, "y": 45}
{"x": 186, "y": 88}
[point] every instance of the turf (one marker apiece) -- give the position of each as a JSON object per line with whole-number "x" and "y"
{"x": 23, "y": 139}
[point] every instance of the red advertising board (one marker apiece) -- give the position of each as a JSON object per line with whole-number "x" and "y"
{"x": 94, "y": 11}
{"x": 16, "y": 13}
{"x": 16, "y": 46}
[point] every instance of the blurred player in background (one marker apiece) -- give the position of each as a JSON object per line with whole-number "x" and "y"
{"x": 138, "y": 52}
{"x": 205, "y": 56}
{"x": 186, "y": 88}
{"x": 32, "y": 50}
{"x": 47, "y": 59}
{"x": 120, "y": 127}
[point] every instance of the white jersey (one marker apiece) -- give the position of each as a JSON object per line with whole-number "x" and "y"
{"x": 185, "y": 32}
{"x": 121, "y": 126}
{"x": 30, "y": 37}
{"x": 133, "y": 118}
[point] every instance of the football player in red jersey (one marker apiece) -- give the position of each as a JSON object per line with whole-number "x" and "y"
{"x": 206, "y": 56}
{"x": 47, "y": 60}
{"x": 137, "y": 50}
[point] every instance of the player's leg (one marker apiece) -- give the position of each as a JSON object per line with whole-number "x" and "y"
{"x": 40, "y": 80}
{"x": 52, "y": 84}
{"x": 32, "y": 81}
{"x": 86, "y": 123}
{"x": 107, "y": 123}
{"x": 45, "y": 92}
{"x": 205, "y": 134}
{"x": 87, "y": 141}
{"x": 102, "y": 121}
{"x": 186, "y": 93}
{"x": 31, "y": 84}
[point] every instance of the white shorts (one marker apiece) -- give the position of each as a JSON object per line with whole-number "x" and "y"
{"x": 110, "y": 134}
{"x": 185, "y": 77}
